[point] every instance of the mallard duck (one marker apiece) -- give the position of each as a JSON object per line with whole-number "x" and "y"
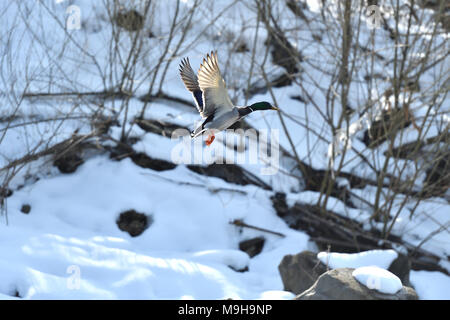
{"x": 211, "y": 98}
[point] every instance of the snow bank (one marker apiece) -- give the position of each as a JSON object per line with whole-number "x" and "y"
{"x": 70, "y": 247}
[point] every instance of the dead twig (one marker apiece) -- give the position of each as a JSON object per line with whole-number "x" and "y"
{"x": 240, "y": 223}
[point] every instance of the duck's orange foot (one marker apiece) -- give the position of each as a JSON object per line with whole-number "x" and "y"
{"x": 210, "y": 140}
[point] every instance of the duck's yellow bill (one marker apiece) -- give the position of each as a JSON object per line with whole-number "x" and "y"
{"x": 275, "y": 108}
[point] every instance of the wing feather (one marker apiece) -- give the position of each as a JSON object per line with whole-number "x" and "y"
{"x": 190, "y": 81}
{"x": 215, "y": 95}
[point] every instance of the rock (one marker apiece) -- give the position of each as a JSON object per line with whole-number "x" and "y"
{"x": 144, "y": 161}
{"x": 401, "y": 267}
{"x": 133, "y": 222}
{"x": 299, "y": 272}
{"x": 129, "y": 20}
{"x": 252, "y": 246}
{"x": 26, "y": 208}
{"x": 339, "y": 284}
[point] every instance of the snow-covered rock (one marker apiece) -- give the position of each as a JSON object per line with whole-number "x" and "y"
{"x": 339, "y": 284}
{"x": 380, "y": 258}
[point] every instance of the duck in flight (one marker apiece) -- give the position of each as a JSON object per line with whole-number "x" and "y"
{"x": 211, "y": 98}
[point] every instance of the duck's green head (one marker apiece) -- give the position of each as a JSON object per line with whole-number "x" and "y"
{"x": 262, "y": 106}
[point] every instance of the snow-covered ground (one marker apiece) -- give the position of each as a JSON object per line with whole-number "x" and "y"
{"x": 69, "y": 245}
{"x": 186, "y": 252}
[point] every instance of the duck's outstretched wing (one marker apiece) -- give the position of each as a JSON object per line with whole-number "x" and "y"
{"x": 191, "y": 82}
{"x": 215, "y": 95}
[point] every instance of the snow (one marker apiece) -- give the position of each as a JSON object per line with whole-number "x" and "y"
{"x": 276, "y": 295}
{"x": 69, "y": 245}
{"x": 378, "y": 279}
{"x": 190, "y": 249}
{"x": 430, "y": 285}
{"x": 333, "y": 204}
{"x": 379, "y": 258}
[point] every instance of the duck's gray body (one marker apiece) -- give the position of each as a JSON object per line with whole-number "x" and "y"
{"x": 210, "y": 96}
{"x": 218, "y": 122}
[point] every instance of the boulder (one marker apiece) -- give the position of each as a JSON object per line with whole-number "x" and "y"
{"x": 299, "y": 272}
{"x": 339, "y": 284}
{"x": 401, "y": 267}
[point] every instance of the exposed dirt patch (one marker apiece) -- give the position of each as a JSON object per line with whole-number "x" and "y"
{"x": 159, "y": 127}
{"x": 144, "y": 161}
{"x": 5, "y": 193}
{"x": 124, "y": 150}
{"x": 129, "y": 20}
{"x": 134, "y": 222}
{"x": 245, "y": 269}
{"x": 252, "y": 246}
{"x": 277, "y": 81}
{"x": 438, "y": 177}
{"x": 241, "y": 46}
{"x": 283, "y": 52}
{"x": 68, "y": 163}
{"x": 297, "y": 8}
{"x": 26, "y": 208}
{"x": 230, "y": 173}
{"x": 385, "y": 128}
